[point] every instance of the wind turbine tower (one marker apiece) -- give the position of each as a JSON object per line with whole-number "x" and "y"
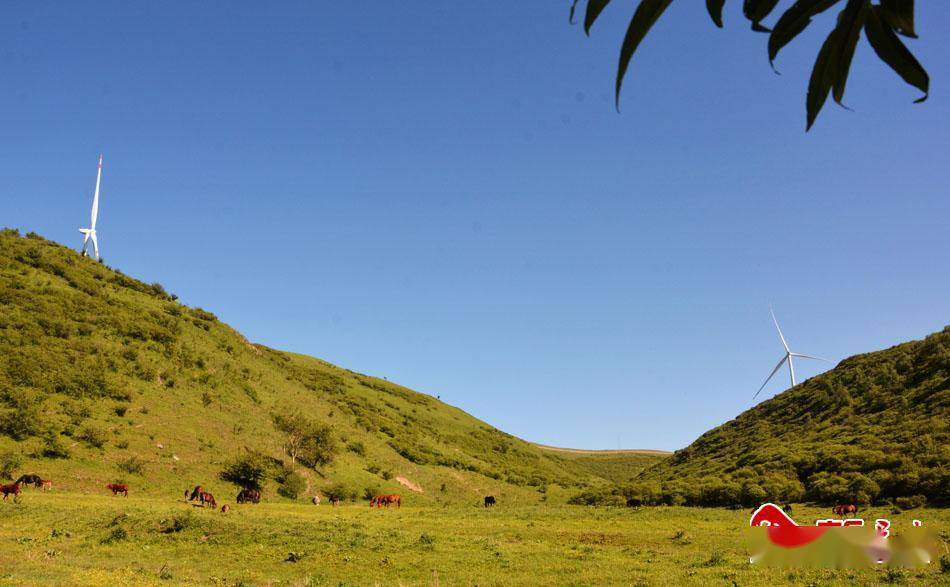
{"x": 90, "y": 233}
{"x": 787, "y": 358}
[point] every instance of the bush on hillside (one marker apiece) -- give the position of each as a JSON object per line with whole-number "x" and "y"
{"x": 93, "y": 436}
{"x": 250, "y": 470}
{"x": 291, "y": 484}
{"x": 340, "y": 492}
{"x": 10, "y": 463}
{"x": 356, "y": 447}
{"x": 310, "y": 442}
{"x": 54, "y": 448}
{"x": 912, "y": 502}
{"x": 133, "y": 465}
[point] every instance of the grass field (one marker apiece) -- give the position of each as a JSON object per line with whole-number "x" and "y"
{"x": 83, "y": 539}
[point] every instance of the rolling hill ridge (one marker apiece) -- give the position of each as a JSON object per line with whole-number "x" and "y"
{"x": 874, "y": 429}
{"x": 105, "y": 378}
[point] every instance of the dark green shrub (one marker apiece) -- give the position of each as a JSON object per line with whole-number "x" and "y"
{"x": 54, "y": 448}
{"x": 132, "y": 465}
{"x": 912, "y": 502}
{"x": 93, "y": 436}
{"x": 356, "y": 447}
{"x": 179, "y": 523}
{"x": 340, "y": 492}
{"x": 10, "y": 463}
{"x": 250, "y": 470}
{"x": 22, "y": 421}
{"x": 117, "y": 534}
{"x": 291, "y": 485}
{"x": 370, "y": 492}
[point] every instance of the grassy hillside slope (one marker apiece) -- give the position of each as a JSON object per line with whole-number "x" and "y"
{"x": 104, "y": 378}
{"x": 617, "y": 466}
{"x": 873, "y": 429}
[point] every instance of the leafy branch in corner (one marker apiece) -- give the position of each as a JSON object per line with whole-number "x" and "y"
{"x": 882, "y": 22}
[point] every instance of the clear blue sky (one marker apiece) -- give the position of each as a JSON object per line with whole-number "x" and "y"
{"x": 442, "y": 193}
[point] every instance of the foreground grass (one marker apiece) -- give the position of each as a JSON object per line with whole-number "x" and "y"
{"x": 81, "y": 539}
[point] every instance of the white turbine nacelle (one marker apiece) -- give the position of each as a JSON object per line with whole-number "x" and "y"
{"x": 788, "y": 357}
{"x": 89, "y": 234}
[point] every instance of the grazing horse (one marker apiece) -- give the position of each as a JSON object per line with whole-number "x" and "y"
{"x": 30, "y": 479}
{"x": 249, "y": 496}
{"x": 45, "y": 484}
{"x": 490, "y": 500}
{"x": 384, "y": 500}
{"x": 787, "y": 509}
{"x": 845, "y": 509}
{"x": 207, "y": 499}
{"x": 195, "y": 493}
{"x": 315, "y": 499}
{"x": 13, "y": 488}
{"x": 117, "y": 488}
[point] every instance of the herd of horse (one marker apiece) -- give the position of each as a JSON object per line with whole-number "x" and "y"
{"x": 14, "y": 488}
{"x": 198, "y": 496}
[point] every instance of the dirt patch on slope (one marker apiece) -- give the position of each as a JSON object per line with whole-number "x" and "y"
{"x": 408, "y": 484}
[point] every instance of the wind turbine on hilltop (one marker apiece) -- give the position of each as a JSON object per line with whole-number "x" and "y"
{"x": 90, "y": 233}
{"x": 788, "y": 357}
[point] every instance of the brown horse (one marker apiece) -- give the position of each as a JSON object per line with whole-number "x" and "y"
{"x": 384, "y": 500}
{"x": 13, "y": 488}
{"x": 207, "y": 499}
{"x": 249, "y": 496}
{"x": 117, "y": 488}
{"x": 195, "y": 493}
{"x": 45, "y": 484}
{"x": 845, "y": 509}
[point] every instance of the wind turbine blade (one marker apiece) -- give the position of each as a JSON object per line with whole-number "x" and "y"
{"x": 810, "y": 357}
{"x": 95, "y": 198}
{"x": 95, "y": 246}
{"x": 772, "y": 374}
{"x": 780, "y": 335}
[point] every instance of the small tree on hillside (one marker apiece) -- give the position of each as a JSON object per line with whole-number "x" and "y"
{"x": 250, "y": 470}
{"x": 310, "y": 442}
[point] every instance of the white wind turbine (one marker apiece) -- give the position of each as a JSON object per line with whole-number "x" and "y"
{"x": 788, "y": 357}
{"x": 90, "y": 233}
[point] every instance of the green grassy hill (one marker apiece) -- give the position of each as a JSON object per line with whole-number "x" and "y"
{"x": 617, "y": 466}
{"x": 105, "y": 378}
{"x": 873, "y": 429}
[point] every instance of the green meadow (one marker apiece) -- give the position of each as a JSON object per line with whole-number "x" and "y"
{"x": 107, "y": 379}
{"x": 80, "y": 539}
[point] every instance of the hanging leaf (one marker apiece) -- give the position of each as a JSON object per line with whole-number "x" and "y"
{"x": 594, "y": 8}
{"x": 648, "y": 12}
{"x": 714, "y": 7}
{"x": 834, "y": 59}
{"x": 892, "y": 51}
{"x": 882, "y": 22}
{"x": 756, "y": 11}
{"x": 899, "y": 14}
{"x": 822, "y": 76}
{"x": 851, "y": 21}
{"x": 793, "y": 22}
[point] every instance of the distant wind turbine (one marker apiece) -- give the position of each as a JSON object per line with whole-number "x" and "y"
{"x": 90, "y": 233}
{"x": 788, "y": 357}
